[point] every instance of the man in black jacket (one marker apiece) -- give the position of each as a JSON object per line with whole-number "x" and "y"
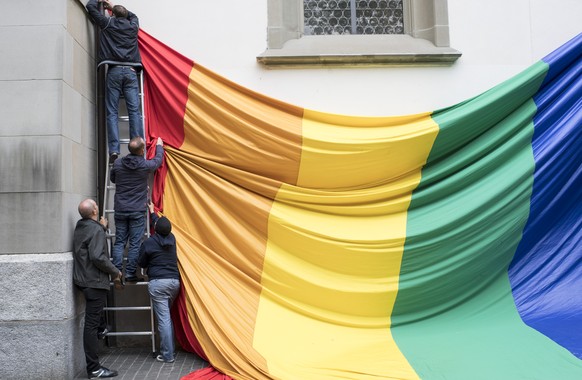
{"x": 118, "y": 42}
{"x": 130, "y": 175}
{"x": 91, "y": 271}
{"x": 158, "y": 255}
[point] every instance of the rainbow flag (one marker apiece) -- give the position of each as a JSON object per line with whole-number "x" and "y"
{"x": 440, "y": 245}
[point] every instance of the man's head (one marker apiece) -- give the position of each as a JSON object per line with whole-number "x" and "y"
{"x": 163, "y": 226}
{"x": 119, "y": 11}
{"x": 137, "y": 146}
{"x": 88, "y": 209}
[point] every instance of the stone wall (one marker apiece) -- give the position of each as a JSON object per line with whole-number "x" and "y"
{"x": 47, "y": 165}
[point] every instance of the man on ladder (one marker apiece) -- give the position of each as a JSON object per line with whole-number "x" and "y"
{"x": 118, "y": 44}
{"x": 130, "y": 175}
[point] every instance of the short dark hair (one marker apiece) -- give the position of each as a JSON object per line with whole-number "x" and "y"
{"x": 119, "y": 11}
{"x": 136, "y": 145}
{"x": 163, "y": 226}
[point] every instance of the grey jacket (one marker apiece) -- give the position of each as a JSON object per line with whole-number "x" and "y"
{"x": 91, "y": 263}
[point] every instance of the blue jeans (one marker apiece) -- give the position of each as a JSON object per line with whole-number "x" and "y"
{"x": 122, "y": 79}
{"x": 129, "y": 229}
{"x": 163, "y": 292}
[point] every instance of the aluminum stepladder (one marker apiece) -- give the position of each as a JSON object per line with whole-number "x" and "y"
{"x": 107, "y": 203}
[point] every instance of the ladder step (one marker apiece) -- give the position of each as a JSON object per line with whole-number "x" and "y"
{"x": 124, "y": 118}
{"x": 124, "y": 141}
{"x": 109, "y": 235}
{"x": 141, "y": 283}
{"x": 127, "y": 308}
{"x": 128, "y": 333}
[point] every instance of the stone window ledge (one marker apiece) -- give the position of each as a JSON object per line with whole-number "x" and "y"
{"x": 358, "y": 50}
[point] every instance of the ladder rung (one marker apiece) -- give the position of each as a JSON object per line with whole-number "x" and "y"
{"x": 127, "y": 308}
{"x": 111, "y": 187}
{"x": 124, "y": 141}
{"x": 141, "y": 283}
{"x": 109, "y": 211}
{"x": 129, "y": 333}
{"x": 123, "y": 118}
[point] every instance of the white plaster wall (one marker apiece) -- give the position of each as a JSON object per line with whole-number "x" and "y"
{"x": 498, "y": 39}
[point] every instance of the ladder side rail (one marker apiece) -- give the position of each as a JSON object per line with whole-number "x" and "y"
{"x": 127, "y": 308}
{"x": 100, "y": 120}
{"x": 148, "y": 227}
{"x": 143, "y": 125}
{"x": 129, "y": 333}
{"x": 107, "y": 208}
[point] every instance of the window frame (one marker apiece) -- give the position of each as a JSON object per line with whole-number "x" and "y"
{"x": 426, "y": 39}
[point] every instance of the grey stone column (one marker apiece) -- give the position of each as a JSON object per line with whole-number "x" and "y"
{"x": 47, "y": 166}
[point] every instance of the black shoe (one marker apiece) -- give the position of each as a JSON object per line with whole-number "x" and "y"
{"x": 134, "y": 279}
{"x": 102, "y": 334}
{"x": 102, "y": 372}
{"x": 113, "y": 157}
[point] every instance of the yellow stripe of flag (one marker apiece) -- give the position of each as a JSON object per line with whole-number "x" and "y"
{"x": 325, "y": 306}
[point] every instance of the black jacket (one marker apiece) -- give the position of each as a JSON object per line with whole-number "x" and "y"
{"x": 118, "y": 39}
{"x": 91, "y": 263}
{"x": 158, "y": 255}
{"x": 130, "y": 175}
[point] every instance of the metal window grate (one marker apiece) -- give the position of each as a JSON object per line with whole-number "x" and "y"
{"x": 337, "y": 17}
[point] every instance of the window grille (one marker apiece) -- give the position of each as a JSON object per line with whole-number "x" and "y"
{"x": 340, "y": 17}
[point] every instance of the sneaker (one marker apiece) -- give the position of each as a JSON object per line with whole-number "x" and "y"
{"x": 112, "y": 157}
{"x": 160, "y": 358}
{"x": 102, "y": 372}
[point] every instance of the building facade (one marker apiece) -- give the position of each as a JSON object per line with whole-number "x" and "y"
{"x": 48, "y": 137}
{"x": 48, "y": 161}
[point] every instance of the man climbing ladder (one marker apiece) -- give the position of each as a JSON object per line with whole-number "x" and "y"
{"x": 118, "y": 44}
{"x": 130, "y": 175}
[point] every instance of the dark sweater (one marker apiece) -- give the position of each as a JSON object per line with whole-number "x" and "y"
{"x": 158, "y": 255}
{"x": 130, "y": 175}
{"x": 118, "y": 38}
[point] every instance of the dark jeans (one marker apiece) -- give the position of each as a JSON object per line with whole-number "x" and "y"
{"x": 122, "y": 80}
{"x": 95, "y": 300}
{"x": 129, "y": 228}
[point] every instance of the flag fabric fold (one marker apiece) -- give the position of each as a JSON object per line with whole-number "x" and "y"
{"x": 439, "y": 245}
